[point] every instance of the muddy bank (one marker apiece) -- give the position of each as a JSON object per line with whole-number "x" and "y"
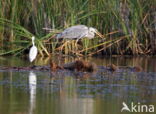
{"x": 76, "y": 66}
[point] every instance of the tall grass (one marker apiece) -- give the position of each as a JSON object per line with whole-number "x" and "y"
{"x": 133, "y": 19}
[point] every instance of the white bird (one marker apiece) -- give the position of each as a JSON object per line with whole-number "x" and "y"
{"x": 33, "y": 51}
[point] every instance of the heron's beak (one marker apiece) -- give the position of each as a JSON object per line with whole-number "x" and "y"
{"x": 99, "y": 34}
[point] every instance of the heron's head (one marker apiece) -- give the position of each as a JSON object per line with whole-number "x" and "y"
{"x": 94, "y": 30}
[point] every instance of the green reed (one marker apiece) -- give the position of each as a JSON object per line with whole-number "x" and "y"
{"x": 133, "y": 19}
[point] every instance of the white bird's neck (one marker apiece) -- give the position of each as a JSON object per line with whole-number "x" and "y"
{"x": 33, "y": 43}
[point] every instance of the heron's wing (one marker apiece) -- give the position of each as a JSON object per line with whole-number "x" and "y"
{"x": 74, "y": 32}
{"x": 79, "y": 26}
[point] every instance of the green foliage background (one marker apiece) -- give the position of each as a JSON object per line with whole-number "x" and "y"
{"x": 133, "y": 19}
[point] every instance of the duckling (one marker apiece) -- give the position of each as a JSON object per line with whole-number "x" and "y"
{"x": 137, "y": 68}
{"x": 54, "y": 66}
{"x": 80, "y": 65}
{"x": 112, "y": 68}
{"x": 85, "y": 66}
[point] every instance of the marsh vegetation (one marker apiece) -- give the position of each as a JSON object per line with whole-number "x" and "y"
{"x": 129, "y": 26}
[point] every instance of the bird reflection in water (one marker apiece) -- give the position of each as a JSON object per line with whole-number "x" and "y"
{"x": 32, "y": 91}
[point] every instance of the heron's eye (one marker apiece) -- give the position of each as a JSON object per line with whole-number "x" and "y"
{"x": 91, "y": 30}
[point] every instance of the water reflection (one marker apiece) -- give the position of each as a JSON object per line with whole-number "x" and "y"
{"x": 69, "y": 100}
{"x": 32, "y": 90}
{"x": 68, "y": 92}
{"x": 78, "y": 106}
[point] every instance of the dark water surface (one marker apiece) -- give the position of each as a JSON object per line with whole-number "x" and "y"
{"x": 31, "y": 92}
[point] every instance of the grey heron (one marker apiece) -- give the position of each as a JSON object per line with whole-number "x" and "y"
{"x": 78, "y": 32}
{"x": 33, "y": 51}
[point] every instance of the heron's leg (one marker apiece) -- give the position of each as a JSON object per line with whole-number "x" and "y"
{"x": 81, "y": 36}
{"x": 76, "y": 43}
{"x": 64, "y": 44}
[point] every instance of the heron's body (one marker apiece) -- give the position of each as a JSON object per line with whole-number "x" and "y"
{"x": 33, "y": 51}
{"x": 78, "y": 32}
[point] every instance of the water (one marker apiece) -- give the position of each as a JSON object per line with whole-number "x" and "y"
{"x": 31, "y": 92}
